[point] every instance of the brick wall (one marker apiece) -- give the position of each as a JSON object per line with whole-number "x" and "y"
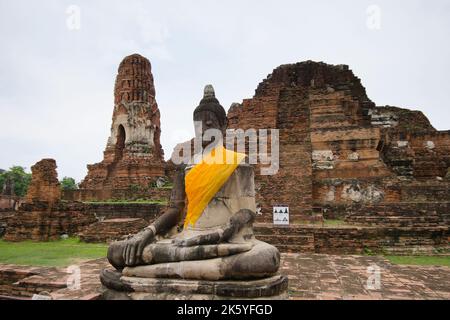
{"x": 356, "y": 240}
{"x": 116, "y": 194}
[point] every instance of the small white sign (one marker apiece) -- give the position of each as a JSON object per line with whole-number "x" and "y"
{"x": 281, "y": 215}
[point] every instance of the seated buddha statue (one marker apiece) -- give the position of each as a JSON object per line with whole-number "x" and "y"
{"x": 206, "y": 233}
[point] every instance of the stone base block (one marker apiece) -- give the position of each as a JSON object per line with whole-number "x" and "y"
{"x": 118, "y": 287}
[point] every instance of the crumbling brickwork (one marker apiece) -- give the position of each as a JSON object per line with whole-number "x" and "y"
{"x": 44, "y": 184}
{"x": 338, "y": 149}
{"x": 112, "y": 229}
{"x": 133, "y": 155}
{"x": 356, "y": 240}
{"x": 38, "y": 222}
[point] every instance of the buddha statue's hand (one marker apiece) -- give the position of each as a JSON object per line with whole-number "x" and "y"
{"x": 134, "y": 247}
{"x": 237, "y": 222}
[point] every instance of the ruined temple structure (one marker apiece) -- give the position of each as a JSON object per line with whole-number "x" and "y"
{"x": 44, "y": 185}
{"x": 133, "y": 155}
{"x": 341, "y": 156}
{"x": 43, "y": 216}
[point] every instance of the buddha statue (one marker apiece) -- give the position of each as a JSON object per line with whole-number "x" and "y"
{"x": 206, "y": 233}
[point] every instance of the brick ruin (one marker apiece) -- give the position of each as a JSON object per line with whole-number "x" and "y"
{"x": 43, "y": 216}
{"x": 337, "y": 147}
{"x": 133, "y": 156}
{"x": 44, "y": 184}
{"x": 383, "y": 170}
{"x": 343, "y": 157}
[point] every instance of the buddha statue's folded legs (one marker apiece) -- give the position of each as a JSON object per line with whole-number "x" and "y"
{"x": 254, "y": 259}
{"x": 166, "y": 251}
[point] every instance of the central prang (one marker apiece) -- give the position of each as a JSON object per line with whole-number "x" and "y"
{"x": 205, "y": 234}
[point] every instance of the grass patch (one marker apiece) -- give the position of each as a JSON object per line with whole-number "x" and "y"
{"x": 325, "y": 223}
{"x": 334, "y": 223}
{"x": 420, "y": 260}
{"x": 59, "y": 253}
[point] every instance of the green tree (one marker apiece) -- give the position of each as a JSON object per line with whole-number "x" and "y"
{"x": 68, "y": 183}
{"x": 19, "y": 177}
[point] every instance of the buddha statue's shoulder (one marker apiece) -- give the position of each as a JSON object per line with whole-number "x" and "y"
{"x": 243, "y": 168}
{"x": 241, "y": 183}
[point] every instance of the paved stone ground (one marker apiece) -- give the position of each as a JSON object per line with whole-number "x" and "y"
{"x": 90, "y": 286}
{"x": 312, "y": 276}
{"x": 328, "y": 277}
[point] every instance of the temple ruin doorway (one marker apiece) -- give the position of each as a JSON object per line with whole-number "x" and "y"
{"x": 120, "y": 144}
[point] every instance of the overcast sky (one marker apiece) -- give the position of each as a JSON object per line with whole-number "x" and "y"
{"x": 56, "y": 80}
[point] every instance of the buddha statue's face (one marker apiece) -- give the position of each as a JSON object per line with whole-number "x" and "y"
{"x": 208, "y": 120}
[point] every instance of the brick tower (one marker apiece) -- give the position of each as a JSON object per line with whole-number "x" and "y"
{"x": 133, "y": 155}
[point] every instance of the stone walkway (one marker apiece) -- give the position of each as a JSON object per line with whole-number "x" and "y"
{"x": 311, "y": 276}
{"x": 90, "y": 286}
{"x": 329, "y": 277}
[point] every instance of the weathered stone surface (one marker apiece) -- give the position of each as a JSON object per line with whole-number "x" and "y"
{"x": 25, "y": 281}
{"x": 328, "y": 277}
{"x": 134, "y": 288}
{"x": 133, "y": 155}
{"x": 44, "y": 184}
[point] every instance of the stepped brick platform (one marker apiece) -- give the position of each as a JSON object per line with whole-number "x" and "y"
{"x": 147, "y": 211}
{"x": 356, "y": 240}
{"x": 25, "y": 281}
{"x": 426, "y": 215}
{"x": 112, "y": 229}
{"x": 337, "y": 148}
{"x": 311, "y": 277}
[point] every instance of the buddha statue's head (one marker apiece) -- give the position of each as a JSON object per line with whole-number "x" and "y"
{"x": 209, "y": 115}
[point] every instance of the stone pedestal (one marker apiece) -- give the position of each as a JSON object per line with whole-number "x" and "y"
{"x": 118, "y": 287}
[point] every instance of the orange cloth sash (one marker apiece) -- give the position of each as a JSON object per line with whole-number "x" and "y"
{"x": 205, "y": 179}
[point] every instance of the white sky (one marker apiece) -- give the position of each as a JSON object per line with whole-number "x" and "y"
{"x": 56, "y": 84}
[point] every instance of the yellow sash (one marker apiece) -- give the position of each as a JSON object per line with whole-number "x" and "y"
{"x": 205, "y": 179}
